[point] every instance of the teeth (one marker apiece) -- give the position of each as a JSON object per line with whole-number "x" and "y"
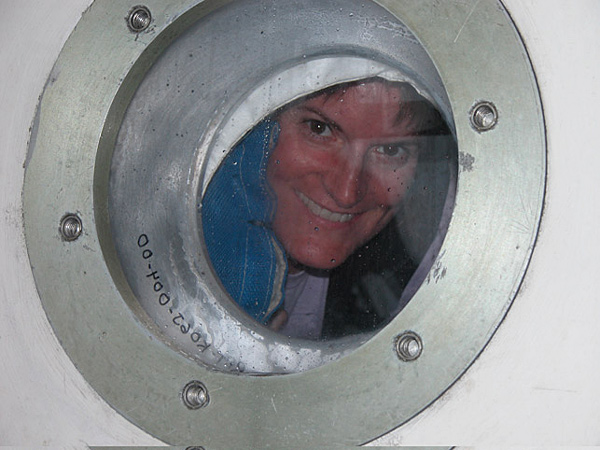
{"x": 322, "y": 212}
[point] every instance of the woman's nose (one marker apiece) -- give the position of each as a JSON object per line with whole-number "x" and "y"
{"x": 346, "y": 180}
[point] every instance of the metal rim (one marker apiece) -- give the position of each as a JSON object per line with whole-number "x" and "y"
{"x": 466, "y": 295}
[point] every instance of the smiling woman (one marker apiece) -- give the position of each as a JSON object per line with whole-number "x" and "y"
{"x": 343, "y": 163}
{"x": 303, "y": 219}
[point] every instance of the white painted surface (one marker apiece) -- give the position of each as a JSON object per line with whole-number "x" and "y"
{"x": 535, "y": 385}
{"x": 44, "y": 399}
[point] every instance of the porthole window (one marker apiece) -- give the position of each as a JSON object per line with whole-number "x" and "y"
{"x": 376, "y": 157}
{"x": 264, "y": 209}
{"x": 325, "y": 184}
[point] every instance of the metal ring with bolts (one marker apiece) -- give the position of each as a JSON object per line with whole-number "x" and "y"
{"x": 456, "y": 310}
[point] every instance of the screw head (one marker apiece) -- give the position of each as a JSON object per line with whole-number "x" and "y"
{"x": 409, "y": 346}
{"x": 139, "y": 19}
{"x": 484, "y": 116}
{"x": 195, "y": 395}
{"x": 70, "y": 227}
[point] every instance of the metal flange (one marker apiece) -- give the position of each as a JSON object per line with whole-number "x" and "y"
{"x": 126, "y": 357}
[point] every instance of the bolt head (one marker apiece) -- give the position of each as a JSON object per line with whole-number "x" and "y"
{"x": 484, "y": 116}
{"x": 139, "y": 19}
{"x": 70, "y": 227}
{"x": 409, "y": 346}
{"x": 195, "y": 395}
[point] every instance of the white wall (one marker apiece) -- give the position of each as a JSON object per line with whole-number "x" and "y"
{"x": 535, "y": 384}
{"x": 44, "y": 399}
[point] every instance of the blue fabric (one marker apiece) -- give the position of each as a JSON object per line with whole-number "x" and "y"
{"x": 237, "y": 210}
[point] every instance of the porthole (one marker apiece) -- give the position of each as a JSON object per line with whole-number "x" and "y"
{"x": 179, "y": 266}
{"x": 423, "y": 209}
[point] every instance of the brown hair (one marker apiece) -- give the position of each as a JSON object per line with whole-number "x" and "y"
{"x": 424, "y": 117}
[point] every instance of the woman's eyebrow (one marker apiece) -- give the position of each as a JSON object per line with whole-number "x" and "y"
{"x": 323, "y": 116}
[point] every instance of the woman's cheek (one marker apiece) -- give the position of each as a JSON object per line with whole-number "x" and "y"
{"x": 392, "y": 187}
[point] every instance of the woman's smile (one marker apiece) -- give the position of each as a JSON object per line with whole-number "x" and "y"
{"x": 322, "y": 212}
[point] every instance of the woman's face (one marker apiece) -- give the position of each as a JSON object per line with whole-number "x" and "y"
{"x": 341, "y": 167}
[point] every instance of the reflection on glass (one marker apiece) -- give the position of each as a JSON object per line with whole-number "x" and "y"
{"x": 318, "y": 218}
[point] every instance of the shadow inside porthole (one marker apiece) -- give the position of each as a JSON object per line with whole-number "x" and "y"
{"x": 325, "y": 218}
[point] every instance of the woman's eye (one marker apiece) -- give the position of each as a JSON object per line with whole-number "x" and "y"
{"x": 391, "y": 150}
{"x": 319, "y": 128}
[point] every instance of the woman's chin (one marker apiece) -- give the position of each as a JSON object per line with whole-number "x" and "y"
{"x": 325, "y": 262}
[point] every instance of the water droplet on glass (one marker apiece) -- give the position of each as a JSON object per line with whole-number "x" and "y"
{"x": 316, "y": 228}
{"x": 333, "y": 260}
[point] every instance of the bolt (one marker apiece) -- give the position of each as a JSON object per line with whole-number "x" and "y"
{"x": 70, "y": 227}
{"x": 484, "y": 116}
{"x": 195, "y": 395}
{"x": 139, "y": 19}
{"x": 409, "y": 346}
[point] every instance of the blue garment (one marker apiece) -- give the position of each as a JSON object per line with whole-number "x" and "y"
{"x": 237, "y": 210}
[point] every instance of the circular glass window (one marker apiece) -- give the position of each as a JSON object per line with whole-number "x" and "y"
{"x": 272, "y": 210}
{"x": 318, "y": 218}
